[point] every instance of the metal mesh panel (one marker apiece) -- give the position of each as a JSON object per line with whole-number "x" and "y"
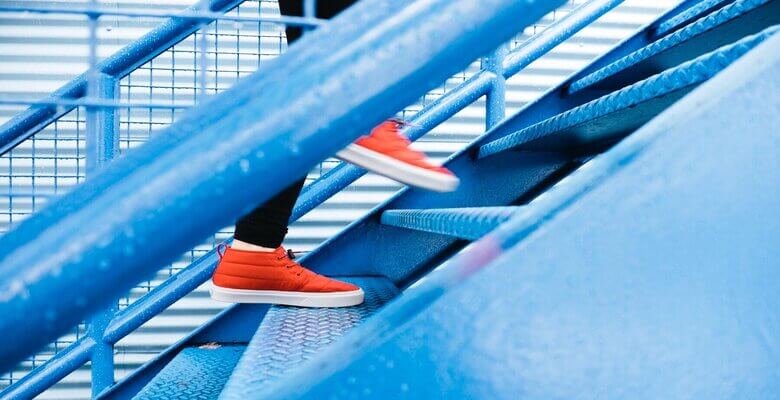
{"x": 47, "y": 164}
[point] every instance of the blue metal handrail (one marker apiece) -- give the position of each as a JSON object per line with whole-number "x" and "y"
{"x": 149, "y": 193}
{"x": 314, "y": 194}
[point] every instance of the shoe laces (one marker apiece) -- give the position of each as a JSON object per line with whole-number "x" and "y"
{"x": 221, "y": 248}
{"x": 397, "y": 143}
{"x": 289, "y": 256}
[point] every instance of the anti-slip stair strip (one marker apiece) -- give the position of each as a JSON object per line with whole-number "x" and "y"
{"x": 195, "y": 373}
{"x": 688, "y": 15}
{"x": 686, "y": 75}
{"x": 289, "y": 336}
{"x": 466, "y": 223}
{"x": 706, "y": 24}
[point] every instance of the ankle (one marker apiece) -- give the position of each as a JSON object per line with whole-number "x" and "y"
{"x": 244, "y": 246}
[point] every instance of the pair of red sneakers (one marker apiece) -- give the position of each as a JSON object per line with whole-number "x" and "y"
{"x": 275, "y": 278}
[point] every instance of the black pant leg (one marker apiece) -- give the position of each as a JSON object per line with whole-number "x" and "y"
{"x": 326, "y": 9}
{"x": 267, "y": 224}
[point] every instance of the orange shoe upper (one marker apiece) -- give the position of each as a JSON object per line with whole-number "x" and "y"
{"x": 386, "y": 139}
{"x": 250, "y": 270}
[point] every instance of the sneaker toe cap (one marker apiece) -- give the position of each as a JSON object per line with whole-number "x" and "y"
{"x": 339, "y": 286}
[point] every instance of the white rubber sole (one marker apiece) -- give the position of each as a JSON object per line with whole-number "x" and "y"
{"x": 299, "y": 299}
{"x": 397, "y": 170}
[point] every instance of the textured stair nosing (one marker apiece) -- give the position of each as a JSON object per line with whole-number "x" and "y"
{"x": 289, "y": 336}
{"x": 687, "y": 74}
{"x": 692, "y": 13}
{"x": 466, "y": 223}
{"x": 708, "y": 23}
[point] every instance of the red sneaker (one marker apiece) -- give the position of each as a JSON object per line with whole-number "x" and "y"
{"x": 274, "y": 278}
{"x": 386, "y": 152}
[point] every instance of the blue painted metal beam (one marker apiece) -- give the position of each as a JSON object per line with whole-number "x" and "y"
{"x": 470, "y": 223}
{"x": 617, "y": 114}
{"x": 126, "y": 60}
{"x": 150, "y": 193}
{"x": 731, "y": 23}
{"x": 635, "y": 299}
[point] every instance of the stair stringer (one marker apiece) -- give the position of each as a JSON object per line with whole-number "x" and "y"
{"x": 657, "y": 280}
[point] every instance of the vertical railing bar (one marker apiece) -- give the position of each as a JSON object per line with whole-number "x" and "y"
{"x": 101, "y": 144}
{"x": 204, "y": 30}
{"x": 92, "y": 84}
{"x": 309, "y": 11}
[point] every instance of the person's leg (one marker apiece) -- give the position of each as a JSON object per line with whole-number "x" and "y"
{"x": 255, "y": 268}
{"x": 265, "y": 227}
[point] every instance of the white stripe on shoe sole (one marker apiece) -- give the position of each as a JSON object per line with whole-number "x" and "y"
{"x": 398, "y": 170}
{"x": 299, "y": 299}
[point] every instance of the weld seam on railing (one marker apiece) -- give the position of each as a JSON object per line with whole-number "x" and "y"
{"x": 689, "y": 73}
{"x": 707, "y": 23}
{"x": 691, "y": 13}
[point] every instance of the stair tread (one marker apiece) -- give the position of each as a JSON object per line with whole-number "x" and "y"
{"x": 722, "y": 26}
{"x": 289, "y": 336}
{"x": 689, "y": 14}
{"x": 469, "y": 223}
{"x": 615, "y": 115}
{"x": 195, "y": 373}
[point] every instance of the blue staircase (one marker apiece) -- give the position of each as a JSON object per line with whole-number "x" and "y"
{"x": 612, "y": 239}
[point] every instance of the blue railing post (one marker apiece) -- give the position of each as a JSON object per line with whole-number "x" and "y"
{"x": 101, "y": 147}
{"x": 102, "y": 123}
{"x": 495, "y": 109}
